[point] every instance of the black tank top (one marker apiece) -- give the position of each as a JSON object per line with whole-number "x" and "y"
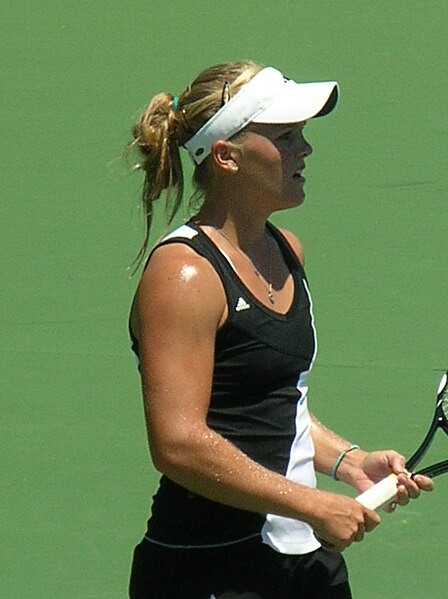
{"x": 259, "y": 357}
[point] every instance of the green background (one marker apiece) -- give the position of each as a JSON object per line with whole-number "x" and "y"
{"x": 76, "y": 478}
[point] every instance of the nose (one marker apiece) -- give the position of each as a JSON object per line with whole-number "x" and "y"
{"x": 302, "y": 147}
{"x": 306, "y": 148}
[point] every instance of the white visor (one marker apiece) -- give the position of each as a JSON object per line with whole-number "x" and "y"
{"x": 267, "y": 98}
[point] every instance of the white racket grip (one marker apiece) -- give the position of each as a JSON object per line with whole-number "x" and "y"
{"x": 380, "y": 494}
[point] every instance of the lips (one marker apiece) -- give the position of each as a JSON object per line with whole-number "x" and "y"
{"x": 298, "y": 172}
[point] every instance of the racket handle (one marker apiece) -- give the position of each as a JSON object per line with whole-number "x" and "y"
{"x": 380, "y": 494}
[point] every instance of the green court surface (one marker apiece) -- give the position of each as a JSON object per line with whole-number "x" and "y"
{"x": 76, "y": 476}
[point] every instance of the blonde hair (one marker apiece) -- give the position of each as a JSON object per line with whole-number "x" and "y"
{"x": 165, "y": 125}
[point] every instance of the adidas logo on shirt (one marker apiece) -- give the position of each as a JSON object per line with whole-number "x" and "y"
{"x": 241, "y": 305}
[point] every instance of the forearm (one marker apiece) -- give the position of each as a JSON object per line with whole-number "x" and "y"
{"x": 328, "y": 446}
{"x": 209, "y": 465}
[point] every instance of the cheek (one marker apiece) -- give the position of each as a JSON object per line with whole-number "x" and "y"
{"x": 262, "y": 151}
{"x": 269, "y": 163}
{"x": 262, "y": 162}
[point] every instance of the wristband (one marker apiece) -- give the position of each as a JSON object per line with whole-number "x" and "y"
{"x": 339, "y": 459}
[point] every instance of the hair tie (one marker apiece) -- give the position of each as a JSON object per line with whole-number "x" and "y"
{"x": 175, "y": 103}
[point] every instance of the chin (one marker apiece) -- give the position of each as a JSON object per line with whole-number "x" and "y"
{"x": 289, "y": 204}
{"x": 298, "y": 200}
{"x": 289, "y": 200}
{"x": 294, "y": 196}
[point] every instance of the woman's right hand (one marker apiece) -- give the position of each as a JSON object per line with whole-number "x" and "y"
{"x": 338, "y": 521}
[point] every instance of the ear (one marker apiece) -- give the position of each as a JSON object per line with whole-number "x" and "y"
{"x": 223, "y": 154}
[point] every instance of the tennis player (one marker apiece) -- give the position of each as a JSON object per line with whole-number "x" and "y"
{"x": 223, "y": 328}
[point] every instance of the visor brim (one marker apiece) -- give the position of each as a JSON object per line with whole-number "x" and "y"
{"x": 299, "y": 102}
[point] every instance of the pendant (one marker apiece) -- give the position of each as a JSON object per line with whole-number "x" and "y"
{"x": 271, "y": 294}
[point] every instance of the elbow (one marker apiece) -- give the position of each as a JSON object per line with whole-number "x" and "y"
{"x": 175, "y": 454}
{"x": 162, "y": 460}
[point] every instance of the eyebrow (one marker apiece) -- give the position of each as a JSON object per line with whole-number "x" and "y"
{"x": 274, "y": 129}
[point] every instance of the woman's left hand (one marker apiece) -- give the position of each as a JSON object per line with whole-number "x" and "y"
{"x": 379, "y": 464}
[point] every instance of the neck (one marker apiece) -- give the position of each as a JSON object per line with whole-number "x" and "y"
{"x": 241, "y": 223}
{"x": 256, "y": 248}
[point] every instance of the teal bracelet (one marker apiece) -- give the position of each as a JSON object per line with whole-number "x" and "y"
{"x": 339, "y": 459}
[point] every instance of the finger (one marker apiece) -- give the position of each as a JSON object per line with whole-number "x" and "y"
{"x": 397, "y": 462}
{"x": 359, "y": 536}
{"x": 328, "y": 545}
{"x": 402, "y": 495}
{"x": 410, "y": 487}
{"x": 325, "y": 544}
{"x": 390, "y": 508}
{"x": 423, "y": 482}
{"x": 337, "y": 548}
{"x": 371, "y": 520}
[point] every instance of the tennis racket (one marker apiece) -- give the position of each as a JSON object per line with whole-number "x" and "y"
{"x": 385, "y": 490}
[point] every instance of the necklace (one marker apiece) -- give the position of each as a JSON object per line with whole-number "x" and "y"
{"x": 267, "y": 283}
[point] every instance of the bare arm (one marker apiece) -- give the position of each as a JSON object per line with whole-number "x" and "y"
{"x": 358, "y": 468}
{"x": 179, "y": 306}
{"x": 361, "y": 469}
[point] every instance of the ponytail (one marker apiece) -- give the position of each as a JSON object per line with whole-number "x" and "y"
{"x": 155, "y": 136}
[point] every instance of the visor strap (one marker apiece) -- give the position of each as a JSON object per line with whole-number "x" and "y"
{"x": 238, "y": 112}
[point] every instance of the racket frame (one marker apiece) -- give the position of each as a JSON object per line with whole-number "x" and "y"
{"x": 385, "y": 491}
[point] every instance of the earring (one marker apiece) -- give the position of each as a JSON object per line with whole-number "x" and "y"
{"x": 235, "y": 169}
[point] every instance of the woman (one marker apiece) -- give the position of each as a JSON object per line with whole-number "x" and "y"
{"x": 223, "y": 329}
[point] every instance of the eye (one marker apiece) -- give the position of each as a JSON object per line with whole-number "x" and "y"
{"x": 286, "y": 135}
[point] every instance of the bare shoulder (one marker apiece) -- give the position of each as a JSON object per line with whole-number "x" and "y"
{"x": 178, "y": 283}
{"x": 296, "y": 245}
